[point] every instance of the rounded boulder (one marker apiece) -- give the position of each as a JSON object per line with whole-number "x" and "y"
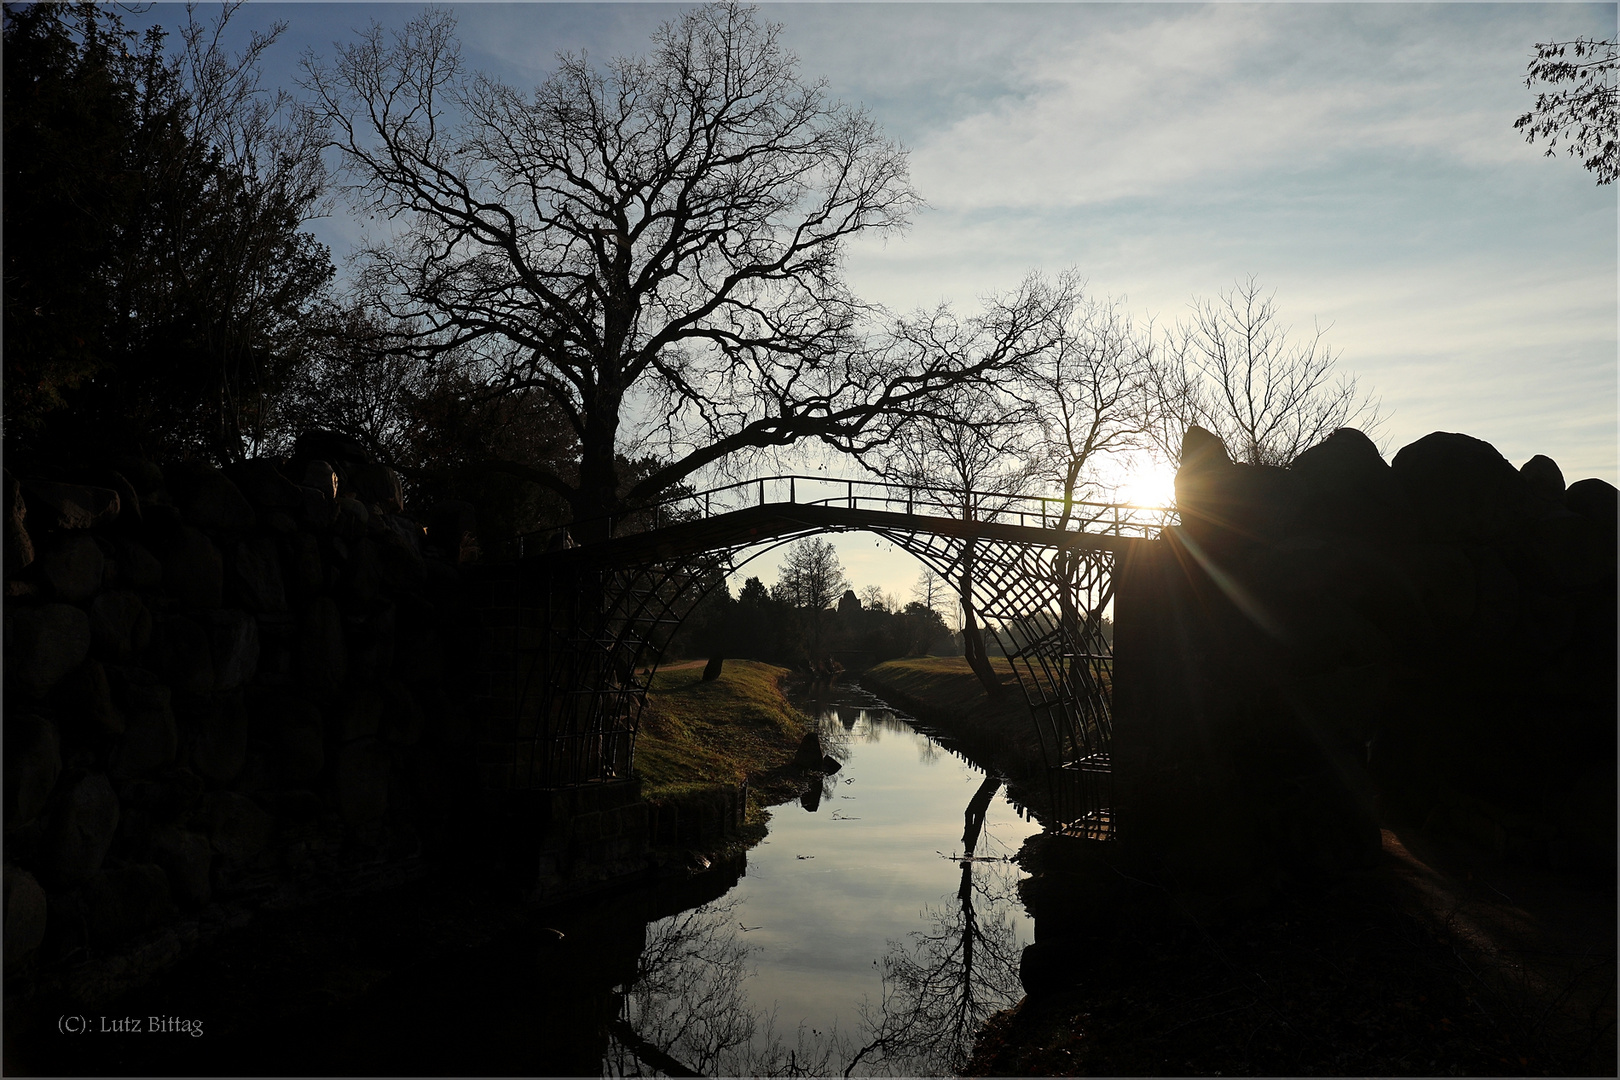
{"x": 1347, "y": 487}
{"x": 70, "y": 506}
{"x": 81, "y": 829}
{"x": 44, "y": 643}
{"x": 25, "y": 912}
{"x": 1462, "y": 486}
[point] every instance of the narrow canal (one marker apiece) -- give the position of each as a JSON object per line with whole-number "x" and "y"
{"x": 872, "y": 933}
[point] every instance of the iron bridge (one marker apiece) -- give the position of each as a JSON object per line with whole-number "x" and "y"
{"x": 586, "y": 626}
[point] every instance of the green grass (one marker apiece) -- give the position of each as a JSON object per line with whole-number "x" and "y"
{"x": 946, "y": 687}
{"x": 696, "y": 734}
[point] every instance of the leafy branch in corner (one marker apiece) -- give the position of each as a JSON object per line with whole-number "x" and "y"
{"x": 1584, "y": 115}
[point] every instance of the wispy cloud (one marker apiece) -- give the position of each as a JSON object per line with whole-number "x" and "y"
{"x": 1214, "y": 97}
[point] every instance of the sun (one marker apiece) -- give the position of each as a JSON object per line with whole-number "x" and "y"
{"x": 1146, "y": 482}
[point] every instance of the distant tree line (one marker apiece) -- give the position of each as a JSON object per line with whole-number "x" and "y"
{"x": 809, "y": 617}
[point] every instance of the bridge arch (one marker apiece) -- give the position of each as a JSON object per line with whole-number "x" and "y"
{"x": 578, "y": 631}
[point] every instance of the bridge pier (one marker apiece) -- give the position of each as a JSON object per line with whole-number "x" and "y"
{"x": 1225, "y": 783}
{"x": 1228, "y": 779}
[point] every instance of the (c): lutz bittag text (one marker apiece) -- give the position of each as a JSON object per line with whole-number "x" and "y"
{"x": 129, "y": 1025}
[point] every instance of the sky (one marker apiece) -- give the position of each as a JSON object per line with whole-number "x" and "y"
{"x": 1358, "y": 159}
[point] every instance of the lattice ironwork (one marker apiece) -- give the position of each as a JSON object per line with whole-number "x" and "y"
{"x": 595, "y": 635}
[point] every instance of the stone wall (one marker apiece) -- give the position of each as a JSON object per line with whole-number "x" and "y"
{"x": 1321, "y": 650}
{"x": 1317, "y": 648}
{"x": 223, "y": 686}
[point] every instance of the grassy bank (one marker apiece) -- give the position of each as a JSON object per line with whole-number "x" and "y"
{"x": 697, "y": 734}
{"x": 947, "y": 687}
{"x": 943, "y": 691}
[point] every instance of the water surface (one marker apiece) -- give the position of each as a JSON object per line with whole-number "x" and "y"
{"x": 873, "y": 933}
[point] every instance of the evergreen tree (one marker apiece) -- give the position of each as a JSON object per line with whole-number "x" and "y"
{"x": 159, "y": 293}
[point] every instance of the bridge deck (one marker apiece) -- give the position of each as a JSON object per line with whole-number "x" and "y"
{"x": 780, "y": 521}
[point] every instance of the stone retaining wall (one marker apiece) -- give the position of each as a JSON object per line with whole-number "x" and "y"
{"x": 220, "y": 685}
{"x": 264, "y": 685}
{"x": 699, "y": 818}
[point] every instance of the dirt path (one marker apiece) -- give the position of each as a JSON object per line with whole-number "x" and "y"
{"x": 1542, "y": 944}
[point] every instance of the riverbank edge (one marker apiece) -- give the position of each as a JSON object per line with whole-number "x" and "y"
{"x": 731, "y": 813}
{"x": 1439, "y": 959}
{"x": 1000, "y": 736}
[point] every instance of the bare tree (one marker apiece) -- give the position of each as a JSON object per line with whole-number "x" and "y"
{"x": 265, "y": 149}
{"x": 973, "y": 445}
{"x": 812, "y": 577}
{"x": 268, "y": 136}
{"x": 929, "y": 591}
{"x": 1233, "y": 369}
{"x": 1587, "y": 115}
{"x": 969, "y": 458}
{"x": 975, "y": 454}
{"x": 343, "y": 387}
{"x": 1088, "y": 391}
{"x": 873, "y": 598}
{"x": 657, "y": 242}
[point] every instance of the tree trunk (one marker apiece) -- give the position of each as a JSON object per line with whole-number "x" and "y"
{"x": 596, "y": 502}
{"x": 977, "y": 808}
{"x": 972, "y": 640}
{"x": 973, "y": 649}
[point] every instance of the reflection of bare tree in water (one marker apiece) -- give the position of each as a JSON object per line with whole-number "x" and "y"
{"x": 835, "y": 738}
{"x": 683, "y": 1002}
{"x": 687, "y": 1012}
{"x": 939, "y": 988}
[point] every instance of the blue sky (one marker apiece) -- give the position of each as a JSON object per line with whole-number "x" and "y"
{"x": 1360, "y": 159}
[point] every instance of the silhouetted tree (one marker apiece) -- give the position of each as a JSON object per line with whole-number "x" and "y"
{"x": 923, "y": 626}
{"x": 666, "y": 232}
{"x": 1088, "y": 391}
{"x": 812, "y": 577}
{"x": 158, "y": 291}
{"x": 873, "y": 598}
{"x": 929, "y": 590}
{"x": 1586, "y": 115}
{"x": 1233, "y": 370}
{"x": 973, "y": 447}
{"x": 761, "y": 627}
{"x": 753, "y": 592}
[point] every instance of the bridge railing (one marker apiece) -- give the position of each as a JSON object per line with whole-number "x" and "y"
{"x": 1038, "y": 511}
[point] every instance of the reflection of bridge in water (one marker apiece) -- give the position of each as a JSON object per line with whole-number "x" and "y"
{"x": 578, "y": 630}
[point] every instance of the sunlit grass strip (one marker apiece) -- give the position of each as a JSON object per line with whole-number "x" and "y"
{"x": 947, "y": 688}
{"x": 944, "y": 692}
{"x": 696, "y": 734}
